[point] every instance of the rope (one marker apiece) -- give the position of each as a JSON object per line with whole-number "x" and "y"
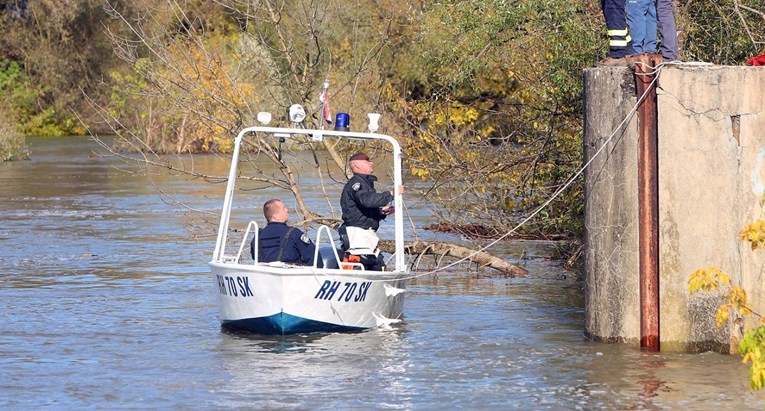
{"x": 657, "y": 71}
{"x": 653, "y": 70}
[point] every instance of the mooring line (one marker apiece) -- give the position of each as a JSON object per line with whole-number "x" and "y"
{"x": 560, "y": 190}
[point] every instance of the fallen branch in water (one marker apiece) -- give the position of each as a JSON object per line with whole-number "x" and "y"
{"x": 439, "y": 249}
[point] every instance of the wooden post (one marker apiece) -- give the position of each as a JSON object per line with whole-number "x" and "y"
{"x": 648, "y": 198}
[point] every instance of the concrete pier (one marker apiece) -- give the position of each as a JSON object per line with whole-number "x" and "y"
{"x": 711, "y": 150}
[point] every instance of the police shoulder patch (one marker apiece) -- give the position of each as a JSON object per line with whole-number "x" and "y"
{"x": 304, "y": 238}
{"x": 356, "y": 186}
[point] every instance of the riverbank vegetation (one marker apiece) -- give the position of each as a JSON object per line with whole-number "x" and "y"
{"x": 485, "y": 95}
{"x": 735, "y": 310}
{"x": 12, "y": 143}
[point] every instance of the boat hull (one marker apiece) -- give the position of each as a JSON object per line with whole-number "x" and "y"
{"x": 277, "y": 301}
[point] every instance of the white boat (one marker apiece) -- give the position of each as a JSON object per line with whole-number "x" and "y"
{"x": 278, "y": 298}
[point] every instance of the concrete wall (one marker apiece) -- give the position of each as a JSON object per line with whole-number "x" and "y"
{"x": 711, "y": 125}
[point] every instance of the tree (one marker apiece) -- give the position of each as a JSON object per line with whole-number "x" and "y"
{"x": 12, "y": 144}
{"x": 722, "y": 32}
{"x": 200, "y": 71}
{"x": 493, "y": 103}
{"x": 487, "y": 94}
{"x": 59, "y": 49}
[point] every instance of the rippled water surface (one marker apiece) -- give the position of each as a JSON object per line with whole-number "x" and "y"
{"x": 107, "y": 303}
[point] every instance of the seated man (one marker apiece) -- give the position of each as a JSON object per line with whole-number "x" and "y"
{"x": 278, "y": 241}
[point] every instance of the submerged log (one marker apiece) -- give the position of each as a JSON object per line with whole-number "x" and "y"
{"x": 440, "y": 250}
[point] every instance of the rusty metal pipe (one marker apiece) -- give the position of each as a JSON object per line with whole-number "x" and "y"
{"x": 648, "y": 200}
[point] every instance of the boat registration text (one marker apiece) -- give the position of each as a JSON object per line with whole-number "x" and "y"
{"x": 234, "y": 286}
{"x": 349, "y": 290}
{"x": 237, "y": 286}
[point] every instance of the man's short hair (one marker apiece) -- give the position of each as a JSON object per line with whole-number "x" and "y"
{"x": 270, "y": 208}
{"x": 358, "y": 156}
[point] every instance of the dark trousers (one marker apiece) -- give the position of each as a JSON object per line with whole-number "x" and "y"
{"x": 667, "y": 29}
{"x": 373, "y": 262}
{"x": 619, "y": 41}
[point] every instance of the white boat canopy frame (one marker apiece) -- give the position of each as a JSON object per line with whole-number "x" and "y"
{"x": 220, "y": 245}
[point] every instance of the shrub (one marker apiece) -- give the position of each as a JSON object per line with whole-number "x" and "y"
{"x": 12, "y": 144}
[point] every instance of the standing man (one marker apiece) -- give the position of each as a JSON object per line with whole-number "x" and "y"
{"x": 619, "y": 41}
{"x": 278, "y": 241}
{"x": 363, "y": 209}
{"x": 665, "y": 17}
{"x": 641, "y": 19}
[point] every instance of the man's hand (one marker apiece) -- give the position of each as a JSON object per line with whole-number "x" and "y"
{"x": 400, "y": 190}
{"x": 388, "y": 210}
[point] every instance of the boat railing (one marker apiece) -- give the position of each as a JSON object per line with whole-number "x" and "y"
{"x": 252, "y": 226}
{"x": 340, "y": 263}
{"x": 244, "y": 242}
{"x": 219, "y": 254}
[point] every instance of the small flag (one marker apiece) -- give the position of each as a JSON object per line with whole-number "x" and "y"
{"x": 326, "y": 115}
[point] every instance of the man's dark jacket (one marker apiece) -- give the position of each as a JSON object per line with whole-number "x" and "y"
{"x": 280, "y": 242}
{"x": 361, "y": 203}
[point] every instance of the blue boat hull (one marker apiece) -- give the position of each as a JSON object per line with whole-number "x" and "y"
{"x": 282, "y": 324}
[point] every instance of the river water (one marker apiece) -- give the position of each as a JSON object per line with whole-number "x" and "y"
{"x": 107, "y": 303}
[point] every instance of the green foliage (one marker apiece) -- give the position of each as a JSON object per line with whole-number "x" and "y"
{"x": 752, "y": 345}
{"x": 723, "y": 31}
{"x": 488, "y": 94}
{"x": 21, "y": 96}
{"x": 60, "y": 49}
{"x": 13, "y": 83}
{"x": 752, "y": 348}
{"x": 18, "y": 93}
{"x": 12, "y": 144}
{"x": 496, "y": 107}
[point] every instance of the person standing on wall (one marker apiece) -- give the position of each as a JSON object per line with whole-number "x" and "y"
{"x": 363, "y": 208}
{"x": 665, "y": 16}
{"x": 641, "y": 19}
{"x": 619, "y": 41}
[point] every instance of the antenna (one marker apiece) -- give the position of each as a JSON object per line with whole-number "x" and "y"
{"x": 325, "y": 113}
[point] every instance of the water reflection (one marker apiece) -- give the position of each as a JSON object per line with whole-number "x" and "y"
{"x": 271, "y": 372}
{"x": 651, "y": 384}
{"x": 272, "y": 344}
